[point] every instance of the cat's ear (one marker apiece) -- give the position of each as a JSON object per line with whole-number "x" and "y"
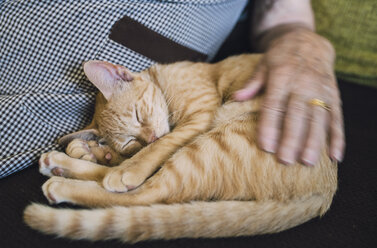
{"x": 86, "y": 134}
{"x": 106, "y": 76}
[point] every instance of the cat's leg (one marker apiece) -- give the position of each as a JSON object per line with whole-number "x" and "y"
{"x": 198, "y": 171}
{"x": 59, "y": 164}
{"x": 79, "y": 149}
{"x": 179, "y": 180}
{"x": 93, "y": 151}
{"x": 92, "y": 194}
{"x": 207, "y": 168}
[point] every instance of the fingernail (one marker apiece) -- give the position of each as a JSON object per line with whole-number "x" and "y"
{"x": 336, "y": 155}
{"x": 286, "y": 161}
{"x": 269, "y": 146}
{"x": 286, "y": 156}
{"x": 307, "y": 162}
{"x": 309, "y": 157}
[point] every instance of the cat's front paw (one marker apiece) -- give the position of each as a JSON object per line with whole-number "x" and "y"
{"x": 122, "y": 179}
{"x": 60, "y": 189}
{"x": 50, "y": 164}
{"x": 51, "y": 190}
{"x": 80, "y": 149}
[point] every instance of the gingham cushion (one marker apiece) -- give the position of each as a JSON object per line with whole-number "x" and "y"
{"x": 43, "y": 91}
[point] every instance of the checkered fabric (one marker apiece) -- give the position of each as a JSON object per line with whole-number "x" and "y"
{"x": 43, "y": 91}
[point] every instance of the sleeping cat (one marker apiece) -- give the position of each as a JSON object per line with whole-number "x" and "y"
{"x": 191, "y": 165}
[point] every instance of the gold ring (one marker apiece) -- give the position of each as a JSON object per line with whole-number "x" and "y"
{"x": 320, "y": 103}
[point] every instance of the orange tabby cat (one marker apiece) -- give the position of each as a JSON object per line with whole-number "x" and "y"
{"x": 211, "y": 179}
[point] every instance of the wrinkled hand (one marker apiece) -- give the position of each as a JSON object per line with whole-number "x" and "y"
{"x": 297, "y": 68}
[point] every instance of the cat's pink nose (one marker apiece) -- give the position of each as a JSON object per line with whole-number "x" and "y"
{"x": 152, "y": 138}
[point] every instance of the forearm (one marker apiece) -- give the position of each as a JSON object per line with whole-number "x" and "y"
{"x": 272, "y": 19}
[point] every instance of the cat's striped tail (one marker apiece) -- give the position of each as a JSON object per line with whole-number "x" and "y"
{"x": 192, "y": 220}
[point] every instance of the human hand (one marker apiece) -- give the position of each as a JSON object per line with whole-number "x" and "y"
{"x": 297, "y": 68}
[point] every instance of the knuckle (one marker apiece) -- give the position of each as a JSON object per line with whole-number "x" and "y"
{"x": 275, "y": 90}
{"x": 297, "y": 108}
{"x": 337, "y": 105}
{"x": 294, "y": 119}
{"x": 319, "y": 116}
{"x": 337, "y": 121}
{"x": 327, "y": 90}
{"x": 273, "y": 101}
{"x": 273, "y": 109}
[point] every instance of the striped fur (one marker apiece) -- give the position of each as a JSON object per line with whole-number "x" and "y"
{"x": 211, "y": 179}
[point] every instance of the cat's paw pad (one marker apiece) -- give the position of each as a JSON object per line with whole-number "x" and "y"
{"x": 51, "y": 190}
{"x": 49, "y": 164}
{"x": 80, "y": 149}
{"x": 122, "y": 180}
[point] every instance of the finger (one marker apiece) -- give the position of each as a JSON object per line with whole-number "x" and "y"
{"x": 337, "y": 139}
{"x": 272, "y": 110}
{"x": 316, "y": 137}
{"x": 295, "y": 124}
{"x": 253, "y": 86}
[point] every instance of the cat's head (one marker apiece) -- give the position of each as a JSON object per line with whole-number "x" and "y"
{"x": 136, "y": 112}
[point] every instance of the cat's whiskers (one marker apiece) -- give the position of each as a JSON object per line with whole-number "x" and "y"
{"x": 172, "y": 113}
{"x": 170, "y": 98}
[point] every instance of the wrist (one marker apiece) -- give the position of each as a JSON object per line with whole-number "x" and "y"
{"x": 261, "y": 42}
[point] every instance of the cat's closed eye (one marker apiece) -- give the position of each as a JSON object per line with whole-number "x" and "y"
{"x": 102, "y": 142}
{"x": 129, "y": 140}
{"x": 139, "y": 120}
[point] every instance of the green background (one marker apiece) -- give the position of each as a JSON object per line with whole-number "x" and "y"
{"x": 351, "y": 26}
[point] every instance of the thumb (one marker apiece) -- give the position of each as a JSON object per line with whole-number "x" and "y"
{"x": 253, "y": 86}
